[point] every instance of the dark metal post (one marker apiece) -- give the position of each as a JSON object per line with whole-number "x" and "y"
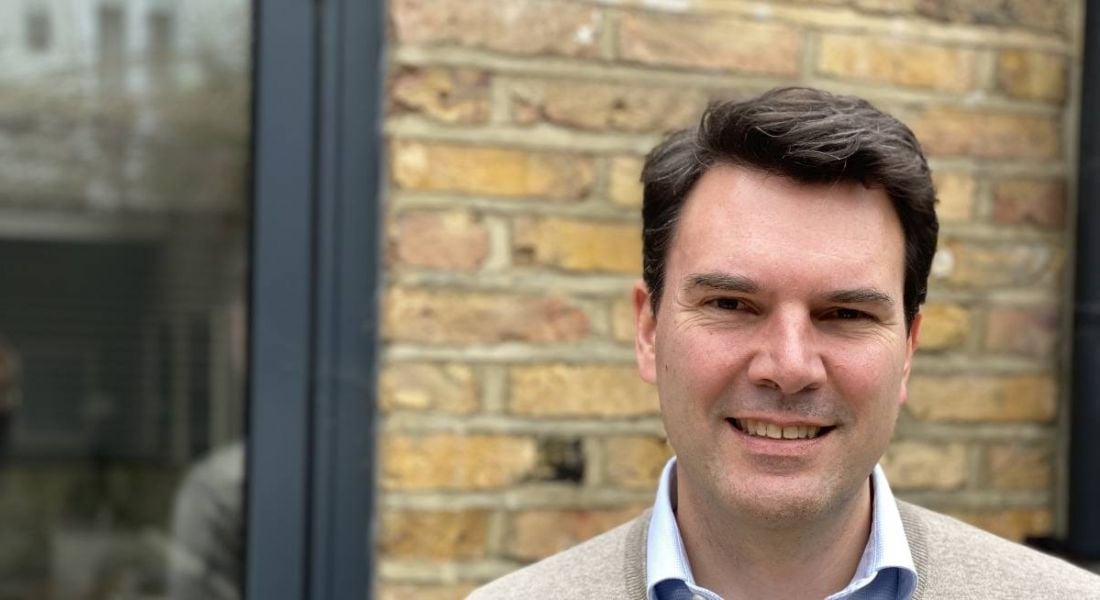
{"x": 1083, "y": 539}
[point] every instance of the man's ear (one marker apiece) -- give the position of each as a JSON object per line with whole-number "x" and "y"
{"x": 645, "y": 331}
{"x": 911, "y": 343}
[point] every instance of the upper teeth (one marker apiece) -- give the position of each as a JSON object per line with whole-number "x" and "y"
{"x": 771, "y": 430}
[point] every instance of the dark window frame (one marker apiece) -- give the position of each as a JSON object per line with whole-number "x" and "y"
{"x": 313, "y": 299}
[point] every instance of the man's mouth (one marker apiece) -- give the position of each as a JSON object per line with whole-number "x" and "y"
{"x": 764, "y": 429}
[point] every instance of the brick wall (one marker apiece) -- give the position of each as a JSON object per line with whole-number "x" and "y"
{"x": 515, "y": 424}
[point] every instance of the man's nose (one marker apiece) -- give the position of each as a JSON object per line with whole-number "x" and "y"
{"x": 786, "y": 356}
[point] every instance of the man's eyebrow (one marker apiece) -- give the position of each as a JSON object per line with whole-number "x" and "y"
{"x": 861, "y": 296}
{"x": 721, "y": 281}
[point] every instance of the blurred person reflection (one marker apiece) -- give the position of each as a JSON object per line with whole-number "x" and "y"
{"x": 206, "y": 558}
{"x": 9, "y": 394}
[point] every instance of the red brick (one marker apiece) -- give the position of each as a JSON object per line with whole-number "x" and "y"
{"x": 436, "y": 316}
{"x": 1027, "y": 331}
{"x": 539, "y": 533}
{"x": 983, "y": 134}
{"x": 710, "y": 43}
{"x": 525, "y": 27}
{"x": 452, "y": 240}
{"x": 1030, "y": 202}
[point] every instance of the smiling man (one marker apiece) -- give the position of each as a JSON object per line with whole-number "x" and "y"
{"x": 787, "y": 244}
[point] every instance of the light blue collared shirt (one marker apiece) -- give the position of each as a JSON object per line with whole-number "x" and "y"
{"x": 885, "y": 571}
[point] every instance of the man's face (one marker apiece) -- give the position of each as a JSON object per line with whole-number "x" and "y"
{"x": 781, "y": 316}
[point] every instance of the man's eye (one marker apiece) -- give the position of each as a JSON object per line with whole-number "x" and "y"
{"x": 848, "y": 314}
{"x": 728, "y": 304}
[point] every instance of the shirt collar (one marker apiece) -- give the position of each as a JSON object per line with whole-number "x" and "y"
{"x": 887, "y": 546}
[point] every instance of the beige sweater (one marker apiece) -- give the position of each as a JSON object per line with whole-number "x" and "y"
{"x": 953, "y": 560}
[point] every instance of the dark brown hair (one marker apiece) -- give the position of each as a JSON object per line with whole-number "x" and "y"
{"x": 806, "y": 135}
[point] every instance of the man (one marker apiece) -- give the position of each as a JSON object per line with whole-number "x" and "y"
{"x": 787, "y": 242}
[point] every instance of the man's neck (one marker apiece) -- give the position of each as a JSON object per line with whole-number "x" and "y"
{"x": 739, "y": 559}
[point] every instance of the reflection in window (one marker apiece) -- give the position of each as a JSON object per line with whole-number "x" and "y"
{"x": 123, "y": 171}
{"x": 38, "y": 30}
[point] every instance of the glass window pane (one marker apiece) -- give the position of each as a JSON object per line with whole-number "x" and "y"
{"x": 124, "y": 168}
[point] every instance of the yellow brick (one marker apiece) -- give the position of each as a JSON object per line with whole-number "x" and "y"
{"x": 450, "y": 240}
{"x": 448, "y": 96}
{"x": 982, "y": 398}
{"x": 1019, "y": 467}
{"x": 405, "y": 591}
{"x": 710, "y": 43}
{"x": 562, "y": 390}
{"x": 622, "y": 321}
{"x": 1002, "y": 265}
{"x": 914, "y": 465}
{"x": 450, "y": 535}
{"x": 1031, "y": 74}
{"x": 891, "y": 61}
{"x": 955, "y": 192}
{"x": 509, "y": 172}
{"x": 436, "y": 316}
{"x": 576, "y": 245}
{"x": 943, "y": 326}
{"x": 983, "y": 134}
{"x": 601, "y": 106}
{"x": 1012, "y": 524}
{"x": 525, "y": 28}
{"x": 635, "y": 462}
{"x": 624, "y": 184}
{"x": 539, "y": 533}
{"x": 443, "y": 388}
{"x": 454, "y": 462}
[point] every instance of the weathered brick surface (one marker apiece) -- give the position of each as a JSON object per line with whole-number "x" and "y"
{"x": 707, "y": 43}
{"x": 1027, "y": 331}
{"x": 438, "y": 388}
{"x": 397, "y": 591}
{"x": 978, "y": 398}
{"x": 1020, "y": 467}
{"x": 891, "y": 61}
{"x": 493, "y": 171}
{"x": 635, "y": 462}
{"x": 955, "y": 192}
{"x": 452, "y": 240}
{"x": 540, "y": 533}
{"x": 1033, "y": 75}
{"x": 525, "y": 27}
{"x": 581, "y": 390}
{"x": 1036, "y": 202}
{"x": 455, "y": 462}
{"x": 919, "y": 465}
{"x": 988, "y": 134}
{"x": 516, "y": 136}
{"x": 622, "y": 320}
{"x": 445, "y": 95}
{"x": 944, "y": 326}
{"x": 624, "y": 187}
{"x": 577, "y": 245}
{"x": 981, "y": 265}
{"x": 452, "y": 317}
{"x": 601, "y": 106}
{"x": 417, "y": 534}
